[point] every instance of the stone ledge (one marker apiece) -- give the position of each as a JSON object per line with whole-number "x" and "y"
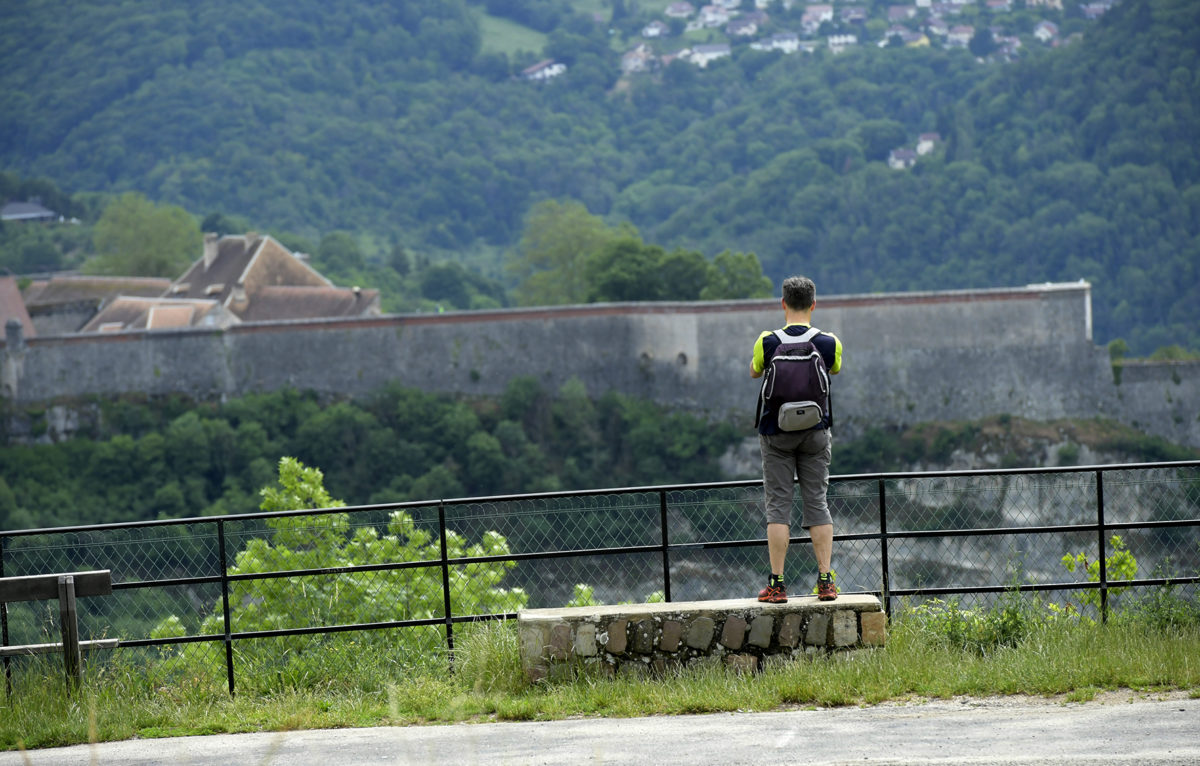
{"x": 739, "y": 633}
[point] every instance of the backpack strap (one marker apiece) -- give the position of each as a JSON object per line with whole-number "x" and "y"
{"x": 784, "y": 337}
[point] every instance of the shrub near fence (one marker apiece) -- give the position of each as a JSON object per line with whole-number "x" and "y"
{"x": 298, "y": 597}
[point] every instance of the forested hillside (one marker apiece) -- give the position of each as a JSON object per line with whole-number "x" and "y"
{"x": 401, "y": 123}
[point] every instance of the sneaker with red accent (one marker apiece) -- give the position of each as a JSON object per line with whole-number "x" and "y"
{"x": 826, "y": 590}
{"x": 773, "y": 594}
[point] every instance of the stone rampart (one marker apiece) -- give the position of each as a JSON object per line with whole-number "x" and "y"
{"x": 654, "y": 638}
{"x": 909, "y": 358}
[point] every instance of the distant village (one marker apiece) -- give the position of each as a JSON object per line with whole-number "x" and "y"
{"x": 836, "y": 27}
{"x": 833, "y": 26}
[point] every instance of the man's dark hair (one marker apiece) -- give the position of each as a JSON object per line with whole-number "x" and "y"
{"x": 799, "y": 293}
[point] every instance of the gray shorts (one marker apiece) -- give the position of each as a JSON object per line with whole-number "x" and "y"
{"x": 803, "y": 454}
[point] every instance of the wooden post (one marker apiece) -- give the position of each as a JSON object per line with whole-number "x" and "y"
{"x": 70, "y": 629}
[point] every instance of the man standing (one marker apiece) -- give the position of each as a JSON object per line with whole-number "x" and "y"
{"x": 789, "y": 454}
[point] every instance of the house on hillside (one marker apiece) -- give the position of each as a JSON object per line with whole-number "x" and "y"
{"x": 713, "y": 16}
{"x": 901, "y": 159}
{"x": 655, "y": 29}
{"x": 853, "y": 14}
{"x": 12, "y": 307}
{"x": 741, "y": 27}
{"x": 546, "y": 69}
{"x": 960, "y": 36}
{"x": 246, "y": 278}
{"x": 703, "y": 55}
{"x": 640, "y": 59}
{"x": 64, "y": 303}
{"x": 679, "y": 10}
{"x": 927, "y": 142}
{"x": 132, "y": 313}
{"x": 814, "y": 16}
{"x": 839, "y": 43}
{"x": 27, "y": 212}
{"x": 1046, "y": 31}
{"x": 787, "y": 42}
{"x": 257, "y": 279}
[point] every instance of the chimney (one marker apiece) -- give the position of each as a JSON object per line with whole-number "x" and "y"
{"x": 210, "y": 250}
{"x": 14, "y": 335}
{"x": 238, "y": 301}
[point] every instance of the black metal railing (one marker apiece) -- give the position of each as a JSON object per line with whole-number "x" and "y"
{"x": 916, "y": 534}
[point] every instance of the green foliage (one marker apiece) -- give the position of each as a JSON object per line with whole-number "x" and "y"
{"x": 984, "y": 631}
{"x": 548, "y": 261}
{"x": 1120, "y": 565}
{"x": 162, "y": 458}
{"x": 135, "y": 237}
{"x": 329, "y": 541}
{"x": 400, "y": 121}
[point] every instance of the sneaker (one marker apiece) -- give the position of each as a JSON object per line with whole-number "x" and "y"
{"x": 826, "y": 590}
{"x": 773, "y": 594}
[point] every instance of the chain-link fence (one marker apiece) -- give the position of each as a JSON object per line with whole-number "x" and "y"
{"x": 275, "y": 600}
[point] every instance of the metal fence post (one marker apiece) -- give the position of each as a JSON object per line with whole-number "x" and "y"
{"x": 225, "y": 606}
{"x": 4, "y": 626}
{"x": 1100, "y": 531}
{"x": 666, "y": 541}
{"x": 885, "y": 572}
{"x": 446, "y": 583}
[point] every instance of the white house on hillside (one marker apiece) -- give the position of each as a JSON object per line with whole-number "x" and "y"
{"x": 543, "y": 70}
{"x": 702, "y": 55}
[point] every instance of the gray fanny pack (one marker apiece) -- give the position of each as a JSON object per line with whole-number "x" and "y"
{"x": 799, "y": 416}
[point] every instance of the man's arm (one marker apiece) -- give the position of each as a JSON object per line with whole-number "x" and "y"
{"x": 757, "y": 362}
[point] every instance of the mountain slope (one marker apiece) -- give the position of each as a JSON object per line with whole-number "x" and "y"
{"x": 392, "y": 119}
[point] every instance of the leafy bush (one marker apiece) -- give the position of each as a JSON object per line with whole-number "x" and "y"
{"x": 328, "y": 541}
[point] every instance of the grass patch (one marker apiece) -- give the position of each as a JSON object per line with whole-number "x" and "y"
{"x": 921, "y": 660}
{"x": 505, "y": 36}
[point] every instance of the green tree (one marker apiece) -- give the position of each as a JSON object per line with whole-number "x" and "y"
{"x": 339, "y": 252}
{"x": 335, "y": 539}
{"x": 736, "y": 275}
{"x": 548, "y": 261}
{"x": 134, "y": 237}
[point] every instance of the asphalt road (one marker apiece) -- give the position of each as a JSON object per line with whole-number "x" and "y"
{"x": 999, "y": 732}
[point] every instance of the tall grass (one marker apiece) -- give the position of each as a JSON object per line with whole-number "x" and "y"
{"x": 1012, "y": 648}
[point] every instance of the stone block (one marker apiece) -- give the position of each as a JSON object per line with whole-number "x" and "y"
{"x": 741, "y": 663}
{"x": 661, "y": 666}
{"x": 585, "y": 640}
{"x": 789, "y": 630}
{"x": 818, "y": 630}
{"x": 633, "y": 669}
{"x": 760, "y": 631}
{"x": 874, "y": 628}
{"x": 733, "y": 634}
{"x": 616, "y": 636}
{"x": 845, "y": 627}
{"x": 641, "y": 636}
{"x": 561, "y": 641}
{"x": 533, "y": 640}
{"x": 700, "y": 633}
{"x": 672, "y": 632}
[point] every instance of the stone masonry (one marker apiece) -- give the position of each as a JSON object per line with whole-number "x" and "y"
{"x": 652, "y": 638}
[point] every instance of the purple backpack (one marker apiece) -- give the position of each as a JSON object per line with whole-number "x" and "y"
{"x": 796, "y": 383}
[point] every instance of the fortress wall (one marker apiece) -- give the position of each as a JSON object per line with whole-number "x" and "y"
{"x": 909, "y": 358}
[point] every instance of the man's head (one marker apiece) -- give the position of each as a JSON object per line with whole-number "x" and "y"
{"x": 799, "y": 293}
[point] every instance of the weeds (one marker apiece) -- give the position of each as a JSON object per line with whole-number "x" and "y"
{"x": 934, "y": 650}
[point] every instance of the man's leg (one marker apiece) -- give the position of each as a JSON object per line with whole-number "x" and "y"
{"x": 812, "y": 467}
{"x": 777, "y": 545}
{"x": 778, "y": 492}
{"x": 822, "y": 540}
